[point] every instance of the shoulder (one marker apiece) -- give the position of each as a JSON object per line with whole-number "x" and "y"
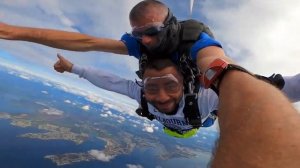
{"x": 191, "y": 29}
{"x": 208, "y": 100}
{"x": 203, "y": 41}
{"x": 132, "y": 44}
{"x": 207, "y": 94}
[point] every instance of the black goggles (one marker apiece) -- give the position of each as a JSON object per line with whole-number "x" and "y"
{"x": 152, "y": 29}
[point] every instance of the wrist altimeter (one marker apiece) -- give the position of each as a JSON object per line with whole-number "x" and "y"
{"x": 216, "y": 71}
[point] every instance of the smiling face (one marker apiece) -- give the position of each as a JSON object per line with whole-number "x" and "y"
{"x": 163, "y": 88}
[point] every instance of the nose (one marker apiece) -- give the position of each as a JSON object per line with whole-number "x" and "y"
{"x": 162, "y": 96}
{"x": 146, "y": 40}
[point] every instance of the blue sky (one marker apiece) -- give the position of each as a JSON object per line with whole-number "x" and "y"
{"x": 260, "y": 35}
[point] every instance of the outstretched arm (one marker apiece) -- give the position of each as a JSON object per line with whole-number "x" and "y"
{"x": 258, "y": 125}
{"x": 100, "y": 78}
{"x": 62, "y": 39}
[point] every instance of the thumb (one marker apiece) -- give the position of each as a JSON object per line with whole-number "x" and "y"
{"x": 60, "y": 57}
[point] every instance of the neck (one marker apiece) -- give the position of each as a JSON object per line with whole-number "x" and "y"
{"x": 173, "y": 112}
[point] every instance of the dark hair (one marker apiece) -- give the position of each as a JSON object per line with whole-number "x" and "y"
{"x": 159, "y": 64}
{"x": 143, "y": 7}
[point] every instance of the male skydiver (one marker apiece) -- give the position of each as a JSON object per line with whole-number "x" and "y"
{"x": 163, "y": 89}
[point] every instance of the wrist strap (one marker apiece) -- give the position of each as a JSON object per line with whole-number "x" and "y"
{"x": 229, "y": 68}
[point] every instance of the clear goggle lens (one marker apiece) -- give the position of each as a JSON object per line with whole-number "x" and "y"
{"x": 151, "y": 29}
{"x": 168, "y": 83}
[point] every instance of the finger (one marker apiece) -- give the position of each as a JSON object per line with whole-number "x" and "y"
{"x": 57, "y": 64}
{"x": 56, "y": 67}
{"x": 60, "y": 57}
{"x": 59, "y": 69}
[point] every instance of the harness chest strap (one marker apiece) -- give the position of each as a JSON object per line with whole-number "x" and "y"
{"x": 191, "y": 110}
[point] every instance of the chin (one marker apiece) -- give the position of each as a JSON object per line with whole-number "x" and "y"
{"x": 167, "y": 110}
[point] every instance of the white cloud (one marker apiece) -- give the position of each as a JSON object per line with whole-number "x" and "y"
{"x": 24, "y": 77}
{"x": 261, "y": 35}
{"x": 85, "y": 108}
{"x": 104, "y": 115}
{"x": 94, "y": 98}
{"x": 47, "y": 84}
{"x": 52, "y": 111}
{"x": 149, "y": 127}
{"x": 105, "y": 108}
{"x": 135, "y": 121}
{"x": 45, "y": 92}
{"x": 68, "y": 101}
{"x": 133, "y": 166}
{"x": 119, "y": 118}
{"x": 100, "y": 155}
{"x": 109, "y": 113}
{"x": 108, "y": 105}
{"x": 53, "y": 8}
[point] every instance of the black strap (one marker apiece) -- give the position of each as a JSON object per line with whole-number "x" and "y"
{"x": 191, "y": 109}
{"x": 275, "y": 80}
{"x": 191, "y": 29}
{"x": 143, "y": 109}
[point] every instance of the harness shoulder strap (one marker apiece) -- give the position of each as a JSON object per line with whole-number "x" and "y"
{"x": 143, "y": 109}
{"x": 191, "y": 29}
{"x": 190, "y": 32}
{"x": 191, "y": 110}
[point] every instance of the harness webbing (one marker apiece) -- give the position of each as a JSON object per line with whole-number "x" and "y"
{"x": 191, "y": 110}
{"x": 143, "y": 110}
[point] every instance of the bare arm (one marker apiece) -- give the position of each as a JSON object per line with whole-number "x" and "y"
{"x": 206, "y": 55}
{"x": 258, "y": 125}
{"x": 62, "y": 39}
